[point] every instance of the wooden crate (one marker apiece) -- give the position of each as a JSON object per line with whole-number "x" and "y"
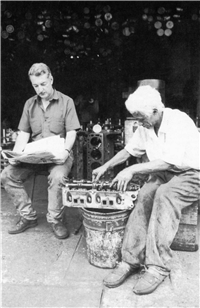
{"x": 186, "y": 238}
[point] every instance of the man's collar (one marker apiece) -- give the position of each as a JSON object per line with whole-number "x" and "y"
{"x": 54, "y": 97}
{"x": 164, "y": 123}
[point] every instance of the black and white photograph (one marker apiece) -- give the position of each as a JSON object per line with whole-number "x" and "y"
{"x": 100, "y": 154}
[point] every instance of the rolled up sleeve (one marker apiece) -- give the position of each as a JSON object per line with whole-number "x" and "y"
{"x": 71, "y": 120}
{"x": 136, "y": 145}
{"x": 24, "y": 124}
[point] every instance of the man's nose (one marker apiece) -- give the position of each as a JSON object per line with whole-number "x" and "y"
{"x": 40, "y": 89}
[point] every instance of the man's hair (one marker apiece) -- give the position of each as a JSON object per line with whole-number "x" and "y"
{"x": 145, "y": 98}
{"x": 39, "y": 69}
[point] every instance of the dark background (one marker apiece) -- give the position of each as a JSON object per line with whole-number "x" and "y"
{"x": 99, "y": 55}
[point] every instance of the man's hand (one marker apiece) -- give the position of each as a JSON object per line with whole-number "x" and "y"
{"x": 122, "y": 179}
{"x": 97, "y": 173}
{"x": 61, "y": 157}
{"x": 13, "y": 162}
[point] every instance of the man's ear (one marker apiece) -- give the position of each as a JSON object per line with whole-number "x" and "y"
{"x": 51, "y": 78}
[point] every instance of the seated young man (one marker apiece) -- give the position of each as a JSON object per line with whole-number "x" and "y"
{"x": 46, "y": 114}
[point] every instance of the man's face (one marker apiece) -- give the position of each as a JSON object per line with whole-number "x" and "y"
{"x": 42, "y": 85}
{"x": 147, "y": 119}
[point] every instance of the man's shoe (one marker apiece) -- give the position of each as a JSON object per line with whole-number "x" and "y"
{"x": 60, "y": 230}
{"x": 22, "y": 225}
{"x": 119, "y": 275}
{"x": 149, "y": 280}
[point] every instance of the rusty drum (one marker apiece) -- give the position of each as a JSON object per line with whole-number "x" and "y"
{"x": 104, "y": 231}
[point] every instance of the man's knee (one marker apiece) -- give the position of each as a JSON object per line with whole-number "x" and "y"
{"x": 56, "y": 179}
{"x": 165, "y": 198}
{"x": 4, "y": 176}
{"x": 147, "y": 192}
{"x": 162, "y": 193}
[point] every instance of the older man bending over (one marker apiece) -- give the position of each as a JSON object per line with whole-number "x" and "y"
{"x": 170, "y": 140}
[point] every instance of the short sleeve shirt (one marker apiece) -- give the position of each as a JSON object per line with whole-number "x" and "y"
{"x": 59, "y": 118}
{"x": 177, "y": 142}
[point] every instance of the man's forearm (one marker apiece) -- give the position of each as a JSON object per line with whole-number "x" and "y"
{"x": 149, "y": 167}
{"x": 70, "y": 139}
{"x": 118, "y": 159}
{"x": 21, "y": 142}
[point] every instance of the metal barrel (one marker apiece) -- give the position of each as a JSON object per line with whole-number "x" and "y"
{"x": 104, "y": 231}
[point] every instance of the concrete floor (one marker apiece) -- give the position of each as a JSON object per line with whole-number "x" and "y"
{"x": 39, "y": 270}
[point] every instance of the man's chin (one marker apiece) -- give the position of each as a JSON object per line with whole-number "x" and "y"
{"x": 45, "y": 97}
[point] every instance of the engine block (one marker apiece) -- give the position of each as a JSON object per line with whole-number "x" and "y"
{"x": 98, "y": 195}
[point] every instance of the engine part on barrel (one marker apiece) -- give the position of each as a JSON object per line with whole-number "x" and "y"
{"x": 99, "y": 195}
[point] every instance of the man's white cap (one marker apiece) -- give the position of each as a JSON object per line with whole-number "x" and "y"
{"x": 145, "y": 98}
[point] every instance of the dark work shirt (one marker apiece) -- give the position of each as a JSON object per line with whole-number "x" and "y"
{"x": 59, "y": 118}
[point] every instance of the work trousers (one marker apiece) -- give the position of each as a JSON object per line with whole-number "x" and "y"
{"x": 13, "y": 178}
{"x": 154, "y": 221}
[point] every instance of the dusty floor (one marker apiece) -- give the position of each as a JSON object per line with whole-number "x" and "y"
{"x": 39, "y": 270}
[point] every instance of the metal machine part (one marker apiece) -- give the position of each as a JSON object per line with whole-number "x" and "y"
{"x": 98, "y": 195}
